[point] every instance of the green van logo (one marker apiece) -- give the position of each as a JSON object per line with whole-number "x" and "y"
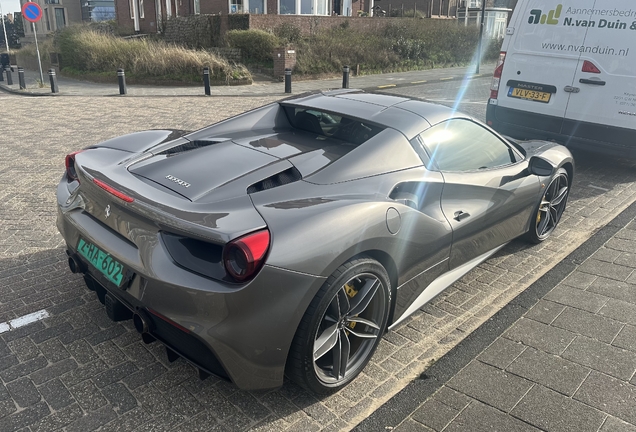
{"x": 537, "y": 16}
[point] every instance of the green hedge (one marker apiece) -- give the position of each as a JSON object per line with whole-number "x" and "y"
{"x": 255, "y": 45}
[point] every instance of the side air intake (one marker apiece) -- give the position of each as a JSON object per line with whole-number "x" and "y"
{"x": 191, "y": 145}
{"x": 282, "y": 178}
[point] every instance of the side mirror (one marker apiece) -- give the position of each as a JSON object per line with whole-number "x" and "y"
{"x": 540, "y": 167}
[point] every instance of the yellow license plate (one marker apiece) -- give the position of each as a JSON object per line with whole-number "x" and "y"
{"x": 530, "y": 95}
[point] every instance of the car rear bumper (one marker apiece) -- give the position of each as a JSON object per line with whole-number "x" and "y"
{"x": 243, "y": 332}
{"x": 587, "y": 136}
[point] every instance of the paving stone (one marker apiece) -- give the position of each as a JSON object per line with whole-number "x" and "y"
{"x": 410, "y": 425}
{"x": 587, "y": 324}
{"x": 76, "y": 334}
{"x": 540, "y": 336}
{"x": 114, "y": 374}
{"x": 549, "y": 410}
{"x": 620, "y": 311}
{"x": 92, "y": 420}
{"x": 626, "y": 338}
{"x": 549, "y": 370}
{"x": 138, "y": 353}
{"x": 22, "y": 331}
{"x": 602, "y": 357}
{"x": 545, "y": 311}
{"x": 608, "y": 255}
{"x": 606, "y": 270}
{"x": 7, "y": 407}
{"x": 612, "y": 424}
{"x": 202, "y": 422}
{"x": 610, "y": 395}
{"x": 627, "y": 259}
{"x": 110, "y": 353}
{"x": 576, "y": 298}
{"x": 23, "y": 392}
{"x": 26, "y": 417}
{"x": 434, "y": 414}
{"x": 56, "y": 394}
{"x": 119, "y": 398}
{"x": 144, "y": 375}
{"x": 184, "y": 403}
{"x": 127, "y": 422}
{"x": 58, "y": 419}
{"x": 154, "y": 401}
{"x": 483, "y": 418}
{"x": 50, "y": 332}
{"x": 621, "y": 244}
{"x": 614, "y": 289}
{"x": 105, "y": 335}
{"x": 53, "y": 371}
{"x": 82, "y": 352}
{"x": 54, "y": 351}
{"x": 478, "y": 379}
{"x": 501, "y": 353}
{"x": 579, "y": 280}
{"x": 174, "y": 377}
{"x": 23, "y": 369}
{"x": 87, "y": 371}
{"x": 24, "y": 349}
{"x": 451, "y": 398}
{"x": 88, "y": 395}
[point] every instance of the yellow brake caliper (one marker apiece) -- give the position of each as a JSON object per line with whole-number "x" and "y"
{"x": 351, "y": 292}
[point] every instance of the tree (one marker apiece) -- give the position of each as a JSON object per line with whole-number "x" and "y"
{"x": 12, "y": 35}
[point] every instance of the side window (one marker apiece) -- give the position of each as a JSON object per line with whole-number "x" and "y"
{"x": 462, "y": 145}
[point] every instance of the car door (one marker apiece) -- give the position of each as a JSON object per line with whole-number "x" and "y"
{"x": 605, "y": 78}
{"x": 488, "y": 193}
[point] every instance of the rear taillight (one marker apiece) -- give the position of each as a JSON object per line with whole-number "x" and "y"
{"x": 590, "y": 67}
{"x": 496, "y": 76}
{"x": 111, "y": 190}
{"x": 244, "y": 256}
{"x": 70, "y": 165}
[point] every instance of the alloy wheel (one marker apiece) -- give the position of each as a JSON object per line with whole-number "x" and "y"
{"x": 552, "y": 205}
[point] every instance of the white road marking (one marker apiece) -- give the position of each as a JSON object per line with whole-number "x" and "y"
{"x": 23, "y": 320}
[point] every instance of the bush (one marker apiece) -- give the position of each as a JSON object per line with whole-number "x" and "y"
{"x": 86, "y": 50}
{"x": 288, "y": 33}
{"x": 255, "y": 45}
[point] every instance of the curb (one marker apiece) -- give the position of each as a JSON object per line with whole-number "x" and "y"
{"x": 370, "y": 89}
{"x": 404, "y": 403}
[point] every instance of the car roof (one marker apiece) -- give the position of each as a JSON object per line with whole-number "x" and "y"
{"x": 408, "y": 116}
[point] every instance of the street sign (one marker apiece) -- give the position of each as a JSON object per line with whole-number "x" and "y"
{"x": 31, "y": 12}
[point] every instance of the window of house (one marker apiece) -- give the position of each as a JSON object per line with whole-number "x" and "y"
{"x": 131, "y": 6}
{"x": 141, "y": 8}
{"x": 197, "y": 7}
{"x": 257, "y": 6}
{"x": 462, "y": 145}
{"x": 46, "y": 19}
{"x": 287, "y": 7}
{"x": 236, "y": 6}
{"x": 60, "y": 19}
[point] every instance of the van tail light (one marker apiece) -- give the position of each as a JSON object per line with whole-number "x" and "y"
{"x": 69, "y": 162}
{"x": 244, "y": 256}
{"x": 590, "y": 67}
{"x": 496, "y": 76}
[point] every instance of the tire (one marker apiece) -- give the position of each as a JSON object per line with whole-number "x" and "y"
{"x": 337, "y": 319}
{"x": 548, "y": 212}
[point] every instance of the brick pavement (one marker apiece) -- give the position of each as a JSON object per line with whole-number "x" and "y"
{"x": 567, "y": 364}
{"x": 77, "y": 370}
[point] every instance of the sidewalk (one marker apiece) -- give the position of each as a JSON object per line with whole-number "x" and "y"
{"x": 73, "y": 87}
{"x": 559, "y": 357}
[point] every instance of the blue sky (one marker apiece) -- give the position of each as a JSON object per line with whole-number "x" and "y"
{"x": 10, "y": 6}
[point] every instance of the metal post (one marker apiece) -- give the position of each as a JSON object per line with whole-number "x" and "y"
{"x": 206, "y": 80}
{"x": 121, "y": 77}
{"x": 481, "y": 34}
{"x": 37, "y": 49}
{"x": 1, "y": 74}
{"x": 53, "y": 80}
{"x": 345, "y": 77}
{"x": 21, "y": 78}
{"x": 9, "y": 78}
{"x": 288, "y": 81}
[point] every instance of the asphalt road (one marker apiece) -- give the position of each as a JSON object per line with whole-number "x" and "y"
{"x": 78, "y": 371}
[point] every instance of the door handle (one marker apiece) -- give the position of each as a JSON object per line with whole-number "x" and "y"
{"x": 592, "y": 81}
{"x": 570, "y": 89}
{"x": 460, "y": 215}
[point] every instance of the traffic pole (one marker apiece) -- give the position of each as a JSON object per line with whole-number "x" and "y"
{"x": 206, "y": 80}
{"x": 21, "y": 78}
{"x": 288, "y": 81}
{"x": 37, "y": 49}
{"x": 53, "y": 80}
{"x": 121, "y": 77}
{"x": 9, "y": 77}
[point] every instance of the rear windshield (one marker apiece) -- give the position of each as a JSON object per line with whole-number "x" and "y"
{"x": 331, "y": 125}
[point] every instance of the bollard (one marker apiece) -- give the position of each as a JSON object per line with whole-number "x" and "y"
{"x": 1, "y": 74}
{"x": 345, "y": 77}
{"x": 121, "y": 77}
{"x": 9, "y": 77}
{"x": 21, "y": 78}
{"x": 206, "y": 80}
{"x": 53, "y": 81}
{"x": 287, "y": 80}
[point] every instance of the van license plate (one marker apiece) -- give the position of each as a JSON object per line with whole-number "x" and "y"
{"x": 530, "y": 95}
{"x": 112, "y": 269}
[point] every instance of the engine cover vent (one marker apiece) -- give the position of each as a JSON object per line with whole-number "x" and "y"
{"x": 191, "y": 145}
{"x": 282, "y": 178}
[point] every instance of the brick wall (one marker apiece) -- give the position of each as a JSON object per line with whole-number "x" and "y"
{"x": 310, "y": 24}
{"x": 284, "y": 58}
{"x": 203, "y": 31}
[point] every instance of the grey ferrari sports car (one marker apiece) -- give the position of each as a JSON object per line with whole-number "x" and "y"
{"x": 287, "y": 240}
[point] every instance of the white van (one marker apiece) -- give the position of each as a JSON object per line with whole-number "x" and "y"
{"x": 567, "y": 72}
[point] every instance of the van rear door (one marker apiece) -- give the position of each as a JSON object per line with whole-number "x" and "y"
{"x": 605, "y": 76}
{"x": 541, "y": 63}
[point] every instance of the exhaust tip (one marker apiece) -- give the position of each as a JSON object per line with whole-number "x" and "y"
{"x": 74, "y": 264}
{"x": 141, "y": 322}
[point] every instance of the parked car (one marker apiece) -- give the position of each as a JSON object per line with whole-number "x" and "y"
{"x": 567, "y": 72}
{"x": 289, "y": 238}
